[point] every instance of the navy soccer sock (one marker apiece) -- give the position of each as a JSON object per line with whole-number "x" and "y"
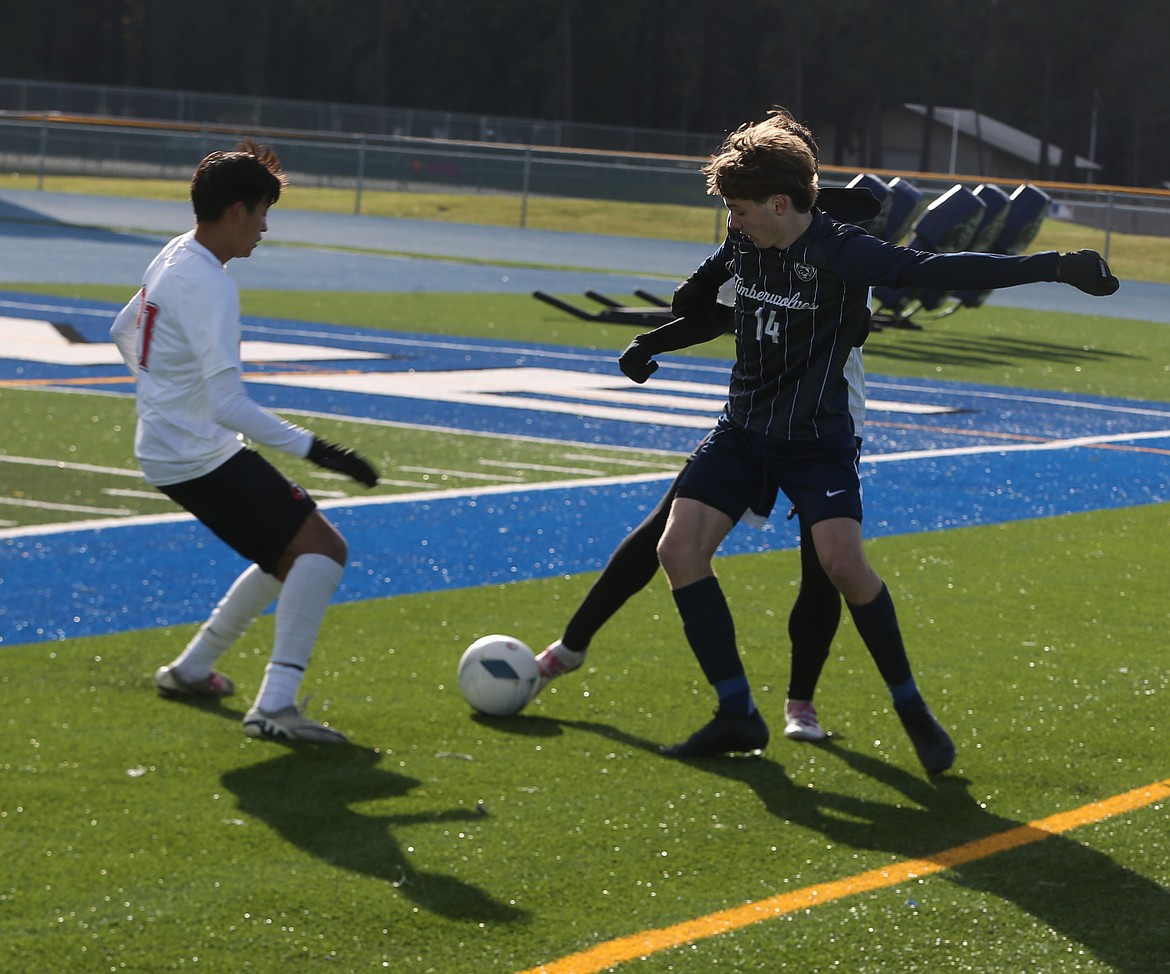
{"x": 710, "y": 630}
{"x": 813, "y": 621}
{"x": 877, "y": 624}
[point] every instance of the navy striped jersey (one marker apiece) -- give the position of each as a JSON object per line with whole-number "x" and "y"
{"x": 800, "y": 311}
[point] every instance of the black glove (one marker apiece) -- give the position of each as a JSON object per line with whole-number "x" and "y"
{"x": 333, "y": 457}
{"x": 1087, "y": 271}
{"x": 636, "y": 362}
{"x": 693, "y": 298}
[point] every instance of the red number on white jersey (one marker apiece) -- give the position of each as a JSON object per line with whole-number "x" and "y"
{"x": 146, "y": 318}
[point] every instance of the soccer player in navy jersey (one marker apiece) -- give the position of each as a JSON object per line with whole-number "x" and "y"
{"x": 802, "y": 284}
{"x": 815, "y": 614}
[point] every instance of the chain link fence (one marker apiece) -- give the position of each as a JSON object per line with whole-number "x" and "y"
{"x": 464, "y": 154}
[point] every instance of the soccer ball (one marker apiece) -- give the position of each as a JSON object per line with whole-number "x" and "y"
{"x": 497, "y": 675}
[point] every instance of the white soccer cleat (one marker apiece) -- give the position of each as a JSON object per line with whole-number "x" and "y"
{"x": 800, "y": 721}
{"x": 289, "y": 725}
{"x": 555, "y": 661}
{"x": 170, "y": 684}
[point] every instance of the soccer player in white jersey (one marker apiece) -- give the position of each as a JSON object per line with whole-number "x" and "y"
{"x": 180, "y": 337}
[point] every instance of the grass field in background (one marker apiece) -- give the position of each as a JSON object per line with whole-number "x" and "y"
{"x": 77, "y": 450}
{"x": 146, "y": 835}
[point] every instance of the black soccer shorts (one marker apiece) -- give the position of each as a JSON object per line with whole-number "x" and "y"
{"x": 736, "y": 469}
{"x": 249, "y": 505}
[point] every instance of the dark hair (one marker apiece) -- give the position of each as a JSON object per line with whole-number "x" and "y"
{"x": 761, "y": 159}
{"x": 250, "y": 174}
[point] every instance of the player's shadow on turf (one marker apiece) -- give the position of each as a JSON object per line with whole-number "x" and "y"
{"x": 305, "y": 795}
{"x": 1083, "y": 894}
{"x": 208, "y": 705}
{"x": 611, "y": 733}
{"x": 534, "y": 725}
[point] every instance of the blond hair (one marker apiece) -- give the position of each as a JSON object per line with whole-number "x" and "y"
{"x": 761, "y": 159}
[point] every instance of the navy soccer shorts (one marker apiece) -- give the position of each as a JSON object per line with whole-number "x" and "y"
{"x": 735, "y": 470}
{"x": 249, "y": 505}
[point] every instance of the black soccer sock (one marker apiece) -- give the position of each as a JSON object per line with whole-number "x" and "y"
{"x": 710, "y": 630}
{"x": 813, "y": 622}
{"x": 629, "y": 570}
{"x": 877, "y": 624}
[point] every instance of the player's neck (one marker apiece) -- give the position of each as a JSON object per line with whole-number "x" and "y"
{"x": 209, "y": 236}
{"x": 794, "y": 229}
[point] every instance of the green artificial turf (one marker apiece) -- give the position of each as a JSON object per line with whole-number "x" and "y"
{"x": 147, "y": 835}
{"x": 142, "y": 834}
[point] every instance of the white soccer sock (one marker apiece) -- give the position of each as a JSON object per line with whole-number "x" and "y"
{"x": 250, "y": 594}
{"x": 308, "y": 587}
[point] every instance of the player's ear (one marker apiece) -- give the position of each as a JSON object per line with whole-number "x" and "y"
{"x": 778, "y": 203}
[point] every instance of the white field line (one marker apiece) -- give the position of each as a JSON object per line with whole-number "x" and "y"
{"x": 150, "y": 495}
{"x": 72, "y": 508}
{"x": 1071, "y": 443}
{"x": 419, "y": 484}
{"x": 429, "y": 495}
{"x": 486, "y": 491}
{"x": 614, "y": 460}
{"x": 466, "y": 474}
{"x": 1136, "y": 410}
{"x": 66, "y": 465}
{"x": 546, "y": 468}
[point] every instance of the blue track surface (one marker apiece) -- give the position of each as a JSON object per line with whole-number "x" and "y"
{"x": 939, "y": 455}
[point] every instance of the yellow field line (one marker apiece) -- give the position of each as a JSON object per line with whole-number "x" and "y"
{"x": 97, "y": 380}
{"x": 638, "y": 945}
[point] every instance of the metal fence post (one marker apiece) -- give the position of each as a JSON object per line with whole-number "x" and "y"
{"x": 44, "y": 151}
{"x": 1108, "y": 223}
{"x": 361, "y": 176}
{"x": 526, "y": 176}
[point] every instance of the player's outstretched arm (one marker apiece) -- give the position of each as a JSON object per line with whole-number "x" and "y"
{"x": 1087, "y": 271}
{"x": 330, "y": 456}
{"x": 637, "y": 361}
{"x": 233, "y": 408}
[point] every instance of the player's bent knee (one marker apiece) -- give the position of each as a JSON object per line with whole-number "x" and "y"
{"x": 318, "y": 536}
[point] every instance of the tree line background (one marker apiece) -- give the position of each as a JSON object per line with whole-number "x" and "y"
{"x": 1085, "y": 75}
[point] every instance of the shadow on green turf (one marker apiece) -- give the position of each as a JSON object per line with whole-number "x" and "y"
{"x": 305, "y": 795}
{"x": 208, "y": 705}
{"x": 1072, "y": 888}
{"x": 987, "y": 351}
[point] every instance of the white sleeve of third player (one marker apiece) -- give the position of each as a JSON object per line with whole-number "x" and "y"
{"x": 124, "y": 332}
{"x": 855, "y": 377}
{"x": 232, "y": 407}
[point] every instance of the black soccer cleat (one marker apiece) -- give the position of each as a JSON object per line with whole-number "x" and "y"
{"x": 723, "y": 734}
{"x": 932, "y": 744}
